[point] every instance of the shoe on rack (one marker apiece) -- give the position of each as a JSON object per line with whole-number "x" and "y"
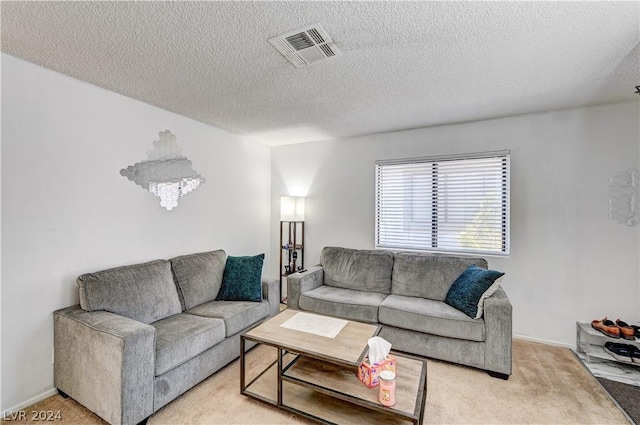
{"x": 636, "y": 330}
{"x": 620, "y": 352}
{"x": 635, "y": 354}
{"x": 607, "y": 327}
{"x": 626, "y": 331}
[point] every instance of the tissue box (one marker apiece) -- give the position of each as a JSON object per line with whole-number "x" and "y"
{"x": 368, "y": 373}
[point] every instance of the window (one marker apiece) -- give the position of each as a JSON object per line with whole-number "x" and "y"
{"x": 444, "y": 204}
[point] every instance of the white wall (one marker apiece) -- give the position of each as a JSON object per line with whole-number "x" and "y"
{"x": 66, "y": 210}
{"x": 569, "y": 262}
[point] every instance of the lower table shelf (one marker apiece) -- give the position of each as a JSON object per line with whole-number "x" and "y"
{"x": 332, "y": 394}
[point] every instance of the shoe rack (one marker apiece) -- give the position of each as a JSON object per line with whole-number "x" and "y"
{"x": 591, "y": 342}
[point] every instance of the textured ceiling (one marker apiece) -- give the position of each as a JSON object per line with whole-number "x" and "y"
{"x": 403, "y": 64}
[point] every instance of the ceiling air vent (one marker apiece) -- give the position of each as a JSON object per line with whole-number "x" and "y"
{"x": 305, "y": 46}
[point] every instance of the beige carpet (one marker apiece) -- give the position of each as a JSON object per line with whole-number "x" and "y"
{"x": 549, "y": 385}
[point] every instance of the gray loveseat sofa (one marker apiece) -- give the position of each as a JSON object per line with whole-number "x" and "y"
{"x": 146, "y": 333}
{"x": 405, "y": 292}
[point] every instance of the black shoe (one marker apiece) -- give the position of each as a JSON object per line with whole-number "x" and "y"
{"x": 621, "y": 352}
{"x": 635, "y": 354}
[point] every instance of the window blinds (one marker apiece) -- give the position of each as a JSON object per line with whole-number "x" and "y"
{"x": 449, "y": 204}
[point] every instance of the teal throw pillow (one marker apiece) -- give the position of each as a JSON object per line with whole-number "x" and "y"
{"x": 466, "y": 291}
{"x": 242, "y": 279}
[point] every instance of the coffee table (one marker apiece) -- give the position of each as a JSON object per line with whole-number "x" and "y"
{"x": 316, "y": 376}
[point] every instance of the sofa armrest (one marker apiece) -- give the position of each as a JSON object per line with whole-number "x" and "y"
{"x": 498, "y": 326}
{"x": 271, "y": 293}
{"x": 299, "y": 283}
{"x": 106, "y": 362}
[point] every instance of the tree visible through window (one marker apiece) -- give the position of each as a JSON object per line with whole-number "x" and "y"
{"x": 449, "y": 204}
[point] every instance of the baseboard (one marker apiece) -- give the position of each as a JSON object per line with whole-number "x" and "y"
{"x": 544, "y": 341}
{"x": 27, "y": 403}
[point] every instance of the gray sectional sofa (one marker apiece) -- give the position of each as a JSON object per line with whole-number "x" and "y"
{"x": 146, "y": 333}
{"x": 405, "y": 292}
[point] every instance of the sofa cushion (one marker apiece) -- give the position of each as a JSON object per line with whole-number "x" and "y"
{"x": 198, "y": 276}
{"x": 428, "y": 275}
{"x": 339, "y": 302}
{"x": 143, "y": 292}
{"x": 182, "y": 337}
{"x": 468, "y": 289}
{"x": 242, "y": 279}
{"x": 430, "y": 316}
{"x": 237, "y": 315}
{"x": 357, "y": 269}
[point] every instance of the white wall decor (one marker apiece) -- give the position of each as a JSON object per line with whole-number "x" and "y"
{"x": 624, "y": 197}
{"x": 167, "y": 173}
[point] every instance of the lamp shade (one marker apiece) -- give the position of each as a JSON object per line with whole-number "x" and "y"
{"x": 291, "y": 208}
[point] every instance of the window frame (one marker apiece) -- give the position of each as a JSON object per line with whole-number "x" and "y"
{"x": 437, "y": 187}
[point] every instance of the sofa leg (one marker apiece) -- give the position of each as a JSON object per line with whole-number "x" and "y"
{"x": 498, "y": 375}
{"x": 63, "y": 394}
{"x": 144, "y": 421}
